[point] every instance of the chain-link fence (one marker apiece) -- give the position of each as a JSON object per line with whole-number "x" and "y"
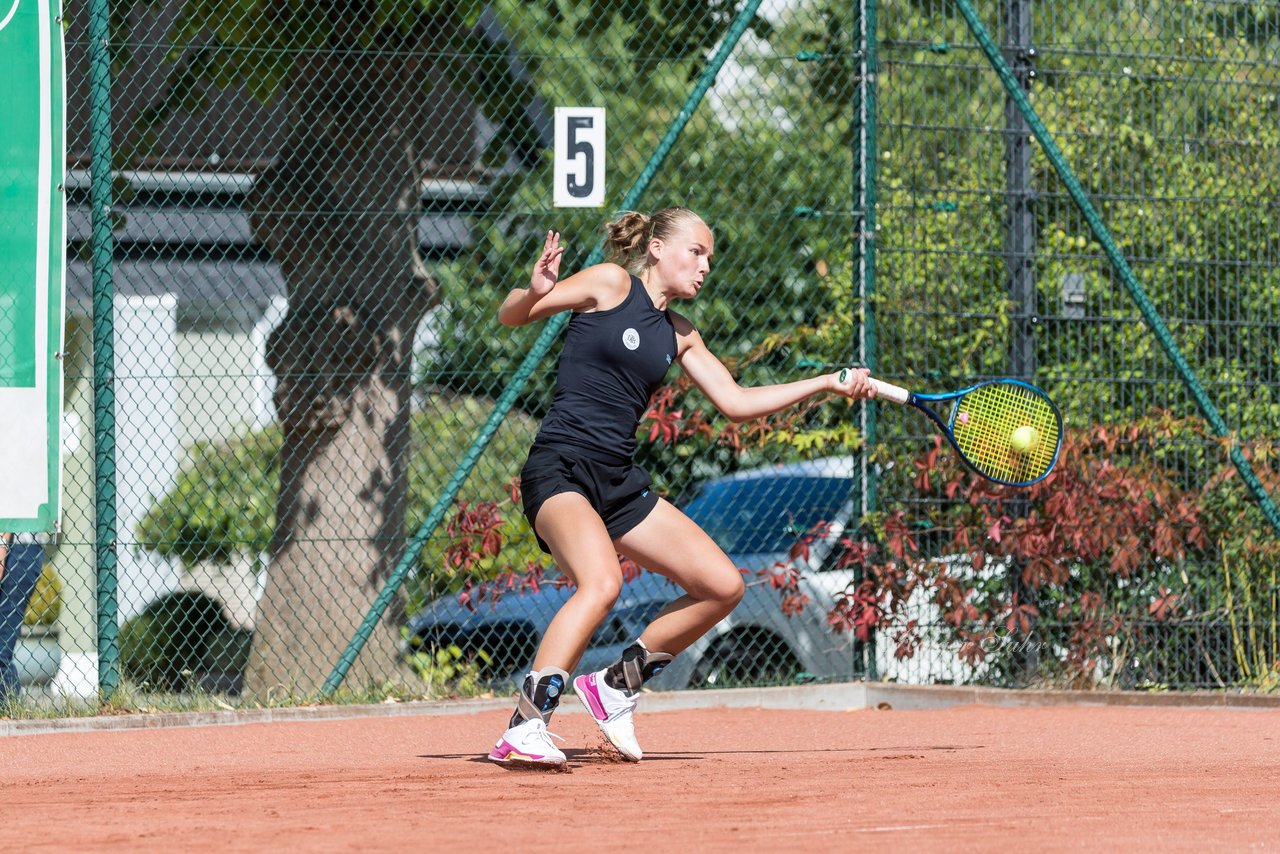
{"x": 1147, "y": 561}
{"x": 318, "y": 420}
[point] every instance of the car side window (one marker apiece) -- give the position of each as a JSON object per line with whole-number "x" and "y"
{"x": 763, "y": 515}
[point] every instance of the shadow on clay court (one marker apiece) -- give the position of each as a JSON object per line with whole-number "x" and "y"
{"x": 586, "y": 756}
{"x": 603, "y": 756}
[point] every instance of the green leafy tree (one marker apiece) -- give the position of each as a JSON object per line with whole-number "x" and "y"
{"x": 225, "y": 498}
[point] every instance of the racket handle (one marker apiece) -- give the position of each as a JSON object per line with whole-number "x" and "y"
{"x": 889, "y": 391}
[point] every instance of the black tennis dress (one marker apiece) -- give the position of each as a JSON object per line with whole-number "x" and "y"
{"x": 612, "y": 363}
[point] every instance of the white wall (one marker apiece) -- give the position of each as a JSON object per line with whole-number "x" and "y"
{"x": 147, "y": 440}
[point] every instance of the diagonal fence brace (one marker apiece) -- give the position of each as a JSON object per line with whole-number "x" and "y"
{"x": 1118, "y": 261}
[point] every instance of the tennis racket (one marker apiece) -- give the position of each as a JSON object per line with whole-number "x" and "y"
{"x": 1006, "y": 430}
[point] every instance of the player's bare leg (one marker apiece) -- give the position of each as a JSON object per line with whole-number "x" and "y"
{"x": 713, "y": 586}
{"x": 581, "y": 547}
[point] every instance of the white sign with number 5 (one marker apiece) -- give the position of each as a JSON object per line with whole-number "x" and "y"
{"x": 579, "y": 158}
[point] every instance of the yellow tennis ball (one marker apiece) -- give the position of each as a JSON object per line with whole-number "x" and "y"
{"x": 1024, "y": 439}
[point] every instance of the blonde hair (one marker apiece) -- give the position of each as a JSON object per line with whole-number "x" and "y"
{"x": 627, "y": 237}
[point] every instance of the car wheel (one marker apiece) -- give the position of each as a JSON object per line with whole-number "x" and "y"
{"x": 743, "y": 659}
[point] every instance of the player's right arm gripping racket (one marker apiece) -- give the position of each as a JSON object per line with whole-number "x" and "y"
{"x": 1006, "y": 430}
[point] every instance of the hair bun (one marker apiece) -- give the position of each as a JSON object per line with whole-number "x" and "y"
{"x": 627, "y": 236}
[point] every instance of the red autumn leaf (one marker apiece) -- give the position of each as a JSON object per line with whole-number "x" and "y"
{"x": 972, "y": 653}
{"x": 793, "y": 604}
{"x": 1165, "y": 605}
{"x": 993, "y": 532}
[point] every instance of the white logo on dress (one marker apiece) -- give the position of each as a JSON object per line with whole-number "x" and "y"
{"x": 631, "y": 339}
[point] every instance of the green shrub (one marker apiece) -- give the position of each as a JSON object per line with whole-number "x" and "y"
{"x": 46, "y": 601}
{"x": 172, "y": 639}
{"x": 224, "y": 500}
{"x": 451, "y": 671}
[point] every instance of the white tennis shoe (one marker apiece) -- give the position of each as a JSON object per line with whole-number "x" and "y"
{"x": 612, "y": 710}
{"x": 528, "y": 745}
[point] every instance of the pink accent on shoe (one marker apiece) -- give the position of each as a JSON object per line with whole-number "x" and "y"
{"x": 585, "y": 686}
{"x": 505, "y": 752}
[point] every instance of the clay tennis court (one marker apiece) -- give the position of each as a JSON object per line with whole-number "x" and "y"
{"x": 964, "y": 778}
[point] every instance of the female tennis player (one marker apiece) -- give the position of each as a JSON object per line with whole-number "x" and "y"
{"x": 583, "y": 495}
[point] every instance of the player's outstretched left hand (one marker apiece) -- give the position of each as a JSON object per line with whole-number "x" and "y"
{"x": 546, "y": 272}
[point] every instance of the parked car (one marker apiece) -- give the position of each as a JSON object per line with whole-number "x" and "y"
{"x": 756, "y": 516}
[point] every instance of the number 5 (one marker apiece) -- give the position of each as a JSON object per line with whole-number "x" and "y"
{"x": 576, "y": 146}
{"x": 579, "y": 157}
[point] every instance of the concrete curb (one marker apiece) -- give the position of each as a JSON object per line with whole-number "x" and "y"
{"x": 849, "y": 696}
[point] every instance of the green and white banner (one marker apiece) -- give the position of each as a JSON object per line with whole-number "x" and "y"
{"x": 32, "y": 262}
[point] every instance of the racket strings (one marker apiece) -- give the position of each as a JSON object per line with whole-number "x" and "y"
{"x": 983, "y": 425}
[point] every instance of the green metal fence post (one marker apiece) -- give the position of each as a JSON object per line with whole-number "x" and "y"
{"x": 1020, "y": 266}
{"x": 541, "y": 346}
{"x": 104, "y": 434}
{"x": 1118, "y": 261}
{"x": 864, "y": 253}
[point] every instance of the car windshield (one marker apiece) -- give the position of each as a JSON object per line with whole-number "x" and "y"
{"x": 766, "y": 514}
